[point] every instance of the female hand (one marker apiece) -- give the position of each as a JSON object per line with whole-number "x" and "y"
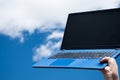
{"x": 110, "y": 72}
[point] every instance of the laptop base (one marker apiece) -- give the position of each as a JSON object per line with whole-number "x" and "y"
{"x": 70, "y": 64}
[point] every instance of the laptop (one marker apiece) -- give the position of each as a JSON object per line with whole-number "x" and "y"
{"x": 88, "y": 37}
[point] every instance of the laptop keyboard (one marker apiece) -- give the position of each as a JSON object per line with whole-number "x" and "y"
{"x": 82, "y": 55}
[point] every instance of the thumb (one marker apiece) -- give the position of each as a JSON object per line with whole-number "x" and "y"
{"x": 108, "y": 72}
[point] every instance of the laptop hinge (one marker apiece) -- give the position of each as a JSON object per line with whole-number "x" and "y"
{"x": 63, "y": 50}
{"x": 117, "y": 48}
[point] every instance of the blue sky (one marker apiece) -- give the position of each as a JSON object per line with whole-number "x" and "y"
{"x": 28, "y": 31}
{"x": 16, "y": 63}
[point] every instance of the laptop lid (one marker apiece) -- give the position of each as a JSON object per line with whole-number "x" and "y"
{"x": 92, "y": 30}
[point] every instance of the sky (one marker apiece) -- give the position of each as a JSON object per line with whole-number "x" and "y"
{"x": 32, "y": 30}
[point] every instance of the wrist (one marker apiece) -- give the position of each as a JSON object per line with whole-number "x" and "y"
{"x": 116, "y": 78}
{"x": 108, "y": 76}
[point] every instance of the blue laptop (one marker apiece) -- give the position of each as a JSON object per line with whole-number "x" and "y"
{"x": 88, "y": 37}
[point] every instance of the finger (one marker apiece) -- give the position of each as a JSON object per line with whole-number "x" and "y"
{"x": 105, "y": 59}
{"x": 109, "y": 60}
{"x": 108, "y": 72}
{"x": 107, "y": 69}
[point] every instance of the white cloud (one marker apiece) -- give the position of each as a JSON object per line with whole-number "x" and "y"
{"x": 55, "y": 35}
{"x": 57, "y": 45}
{"x": 50, "y": 47}
{"x": 19, "y": 15}
{"x": 46, "y": 50}
{"x": 42, "y": 52}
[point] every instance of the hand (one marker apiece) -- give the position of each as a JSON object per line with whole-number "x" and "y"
{"x": 110, "y": 72}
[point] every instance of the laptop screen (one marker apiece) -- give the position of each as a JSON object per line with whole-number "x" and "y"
{"x": 92, "y": 30}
